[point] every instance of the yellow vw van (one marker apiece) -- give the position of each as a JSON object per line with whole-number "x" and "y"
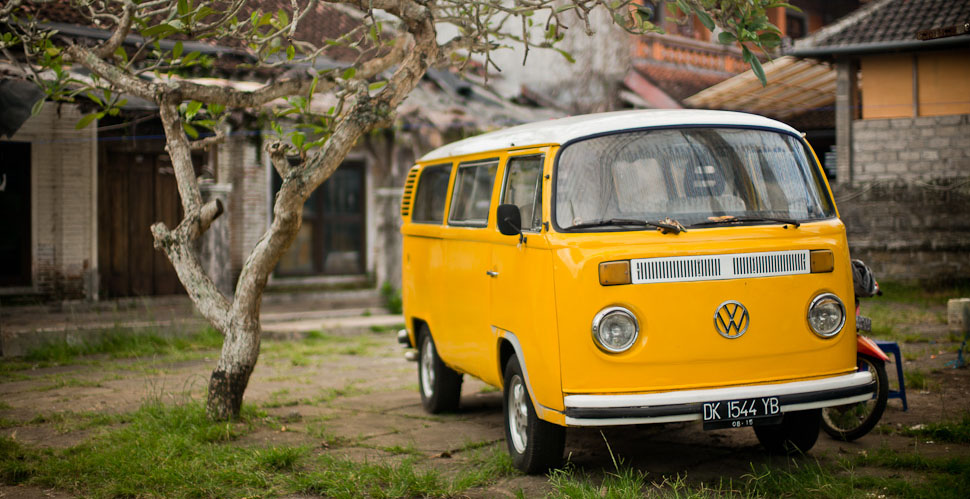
{"x": 630, "y": 268}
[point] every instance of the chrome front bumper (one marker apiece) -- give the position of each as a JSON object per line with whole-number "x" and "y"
{"x": 687, "y": 405}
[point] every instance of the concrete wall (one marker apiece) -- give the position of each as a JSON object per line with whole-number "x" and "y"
{"x": 909, "y": 230}
{"x": 924, "y": 148}
{"x": 907, "y": 209}
{"x": 64, "y": 199}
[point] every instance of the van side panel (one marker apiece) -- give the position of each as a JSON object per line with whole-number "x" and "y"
{"x": 422, "y": 260}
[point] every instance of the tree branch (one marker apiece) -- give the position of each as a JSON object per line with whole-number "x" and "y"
{"x": 121, "y": 31}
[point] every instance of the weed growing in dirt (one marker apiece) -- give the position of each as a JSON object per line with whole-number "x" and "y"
{"x": 916, "y": 378}
{"x": 279, "y": 458}
{"x": 951, "y": 431}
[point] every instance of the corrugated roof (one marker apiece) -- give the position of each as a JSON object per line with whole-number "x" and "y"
{"x": 887, "y": 22}
{"x": 795, "y": 86}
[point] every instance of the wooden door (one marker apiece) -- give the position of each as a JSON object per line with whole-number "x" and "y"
{"x": 135, "y": 190}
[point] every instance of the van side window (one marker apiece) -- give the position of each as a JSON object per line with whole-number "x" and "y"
{"x": 523, "y": 188}
{"x": 429, "y": 201}
{"x": 472, "y": 196}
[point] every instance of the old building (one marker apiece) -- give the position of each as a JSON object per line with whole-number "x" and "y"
{"x": 79, "y": 202}
{"x": 902, "y": 120}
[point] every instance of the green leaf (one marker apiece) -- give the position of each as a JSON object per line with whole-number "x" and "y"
{"x": 283, "y": 17}
{"x": 192, "y": 109}
{"x": 177, "y": 50}
{"x": 376, "y": 85}
{"x": 759, "y": 71}
{"x": 158, "y": 30}
{"x": 190, "y": 57}
{"x": 769, "y": 39}
{"x": 746, "y": 55}
{"x": 122, "y": 54}
{"x": 182, "y": 7}
{"x": 726, "y": 38}
{"x": 349, "y": 73}
{"x": 705, "y": 19}
{"x": 567, "y": 55}
{"x": 190, "y": 130}
{"x": 298, "y": 139}
{"x": 290, "y": 52}
{"x": 85, "y": 120}
{"x": 35, "y": 109}
{"x": 263, "y": 21}
{"x": 95, "y": 98}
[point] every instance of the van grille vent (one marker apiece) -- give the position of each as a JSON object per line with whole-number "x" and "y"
{"x": 408, "y": 192}
{"x": 717, "y": 267}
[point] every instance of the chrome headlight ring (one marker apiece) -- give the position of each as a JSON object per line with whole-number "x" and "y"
{"x": 607, "y": 315}
{"x": 825, "y": 300}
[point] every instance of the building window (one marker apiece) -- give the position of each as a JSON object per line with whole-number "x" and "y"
{"x": 795, "y": 25}
{"x": 331, "y": 240}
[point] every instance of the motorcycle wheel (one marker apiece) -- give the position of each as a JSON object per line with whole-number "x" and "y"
{"x": 851, "y": 421}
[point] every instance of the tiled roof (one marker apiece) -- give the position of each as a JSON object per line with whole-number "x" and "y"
{"x": 888, "y": 21}
{"x": 676, "y": 82}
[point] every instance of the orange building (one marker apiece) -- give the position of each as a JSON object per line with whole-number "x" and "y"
{"x": 686, "y": 59}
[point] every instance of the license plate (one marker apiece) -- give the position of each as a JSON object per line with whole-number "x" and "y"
{"x": 741, "y": 412}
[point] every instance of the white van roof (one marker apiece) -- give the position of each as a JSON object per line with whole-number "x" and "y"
{"x": 560, "y": 131}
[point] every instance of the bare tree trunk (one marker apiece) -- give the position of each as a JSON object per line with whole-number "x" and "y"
{"x": 229, "y": 379}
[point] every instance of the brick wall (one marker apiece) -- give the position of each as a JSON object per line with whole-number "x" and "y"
{"x": 239, "y": 164}
{"x": 63, "y": 202}
{"x": 907, "y": 210}
{"x": 924, "y": 148}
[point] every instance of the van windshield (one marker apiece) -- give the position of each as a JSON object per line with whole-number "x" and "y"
{"x": 691, "y": 175}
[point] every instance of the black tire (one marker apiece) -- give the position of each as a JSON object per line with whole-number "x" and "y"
{"x": 797, "y": 433}
{"x": 851, "y": 421}
{"x": 536, "y": 446}
{"x": 440, "y": 385}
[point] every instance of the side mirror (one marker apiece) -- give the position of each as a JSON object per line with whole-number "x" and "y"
{"x": 509, "y": 220}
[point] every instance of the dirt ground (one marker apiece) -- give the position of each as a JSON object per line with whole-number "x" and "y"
{"x": 361, "y": 401}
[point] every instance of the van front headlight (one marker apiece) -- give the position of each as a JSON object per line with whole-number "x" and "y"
{"x": 615, "y": 329}
{"x": 826, "y": 315}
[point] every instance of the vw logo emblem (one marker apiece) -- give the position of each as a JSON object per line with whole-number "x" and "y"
{"x": 731, "y": 319}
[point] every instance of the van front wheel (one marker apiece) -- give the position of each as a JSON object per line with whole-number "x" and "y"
{"x": 440, "y": 385}
{"x": 535, "y": 445}
{"x": 796, "y": 433}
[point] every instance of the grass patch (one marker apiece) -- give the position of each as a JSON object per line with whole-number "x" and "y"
{"x": 923, "y": 295}
{"x": 125, "y": 344}
{"x": 165, "y": 451}
{"x": 317, "y": 343}
{"x": 950, "y": 431}
{"x": 917, "y": 379}
{"x": 4, "y": 406}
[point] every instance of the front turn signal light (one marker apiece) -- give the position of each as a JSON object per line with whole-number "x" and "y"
{"x": 613, "y": 273}
{"x": 822, "y": 261}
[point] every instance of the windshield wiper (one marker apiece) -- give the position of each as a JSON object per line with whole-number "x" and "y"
{"x": 666, "y": 227}
{"x": 727, "y": 220}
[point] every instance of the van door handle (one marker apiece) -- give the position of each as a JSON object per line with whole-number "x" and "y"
{"x": 491, "y": 273}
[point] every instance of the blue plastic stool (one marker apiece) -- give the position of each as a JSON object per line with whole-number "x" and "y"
{"x": 891, "y": 347}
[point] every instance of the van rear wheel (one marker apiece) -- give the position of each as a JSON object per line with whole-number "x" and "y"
{"x": 797, "y": 433}
{"x": 440, "y": 385}
{"x": 535, "y": 445}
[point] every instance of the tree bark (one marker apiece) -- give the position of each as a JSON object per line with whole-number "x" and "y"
{"x": 229, "y": 379}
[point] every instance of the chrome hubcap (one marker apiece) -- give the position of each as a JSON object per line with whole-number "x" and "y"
{"x": 518, "y": 417}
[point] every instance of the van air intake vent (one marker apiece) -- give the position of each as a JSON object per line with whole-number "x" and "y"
{"x": 717, "y": 267}
{"x": 408, "y": 192}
